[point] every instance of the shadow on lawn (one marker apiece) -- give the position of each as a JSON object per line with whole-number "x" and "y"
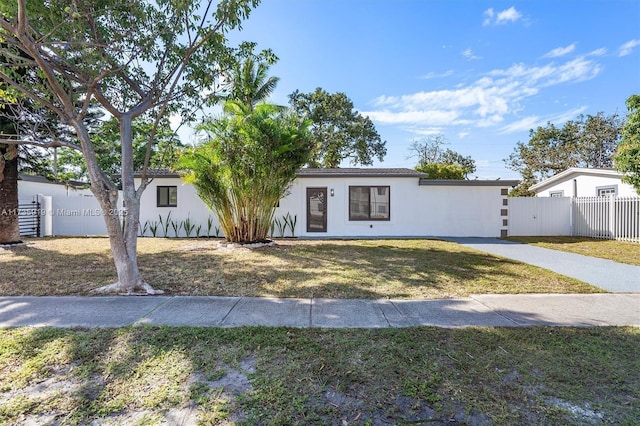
{"x": 330, "y": 270}
{"x": 433, "y": 269}
{"x": 316, "y": 376}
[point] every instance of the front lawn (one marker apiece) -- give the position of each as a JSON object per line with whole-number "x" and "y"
{"x": 618, "y": 251}
{"x": 283, "y": 376}
{"x": 366, "y": 269}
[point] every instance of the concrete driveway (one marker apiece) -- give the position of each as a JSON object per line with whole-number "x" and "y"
{"x": 606, "y": 274}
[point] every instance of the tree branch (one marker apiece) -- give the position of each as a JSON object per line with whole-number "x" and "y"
{"x": 53, "y": 144}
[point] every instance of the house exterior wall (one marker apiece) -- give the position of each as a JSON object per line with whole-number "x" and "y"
{"x": 64, "y": 210}
{"x": 415, "y": 211}
{"x": 189, "y": 206}
{"x": 587, "y": 186}
{"x": 28, "y": 191}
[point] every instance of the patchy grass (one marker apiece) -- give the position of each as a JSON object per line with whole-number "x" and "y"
{"x": 312, "y": 376}
{"x": 618, "y": 251}
{"x": 366, "y": 269}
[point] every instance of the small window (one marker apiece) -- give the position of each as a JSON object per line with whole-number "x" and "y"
{"x": 605, "y": 191}
{"x": 556, "y": 194}
{"x": 369, "y": 203}
{"x": 167, "y": 196}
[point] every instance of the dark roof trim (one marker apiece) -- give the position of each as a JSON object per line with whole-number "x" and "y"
{"x": 442, "y": 182}
{"x": 359, "y": 173}
{"x": 42, "y": 179}
{"x": 157, "y": 173}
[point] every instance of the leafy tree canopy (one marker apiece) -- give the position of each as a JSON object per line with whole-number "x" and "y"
{"x": 441, "y": 171}
{"x": 441, "y": 163}
{"x": 134, "y": 58}
{"x": 339, "y": 132}
{"x": 166, "y": 148}
{"x": 588, "y": 141}
{"x": 627, "y": 157}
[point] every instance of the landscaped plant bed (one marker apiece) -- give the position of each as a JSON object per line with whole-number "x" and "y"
{"x": 367, "y": 269}
{"x": 283, "y": 376}
{"x": 618, "y": 251}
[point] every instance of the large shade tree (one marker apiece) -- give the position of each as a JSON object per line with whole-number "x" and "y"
{"x": 627, "y": 157}
{"x": 166, "y": 147}
{"x": 133, "y": 58}
{"x": 339, "y": 131}
{"x": 9, "y": 226}
{"x": 438, "y": 162}
{"x": 587, "y": 141}
{"x": 242, "y": 172}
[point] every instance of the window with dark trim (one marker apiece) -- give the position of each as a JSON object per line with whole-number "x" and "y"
{"x": 167, "y": 196}
{"x": 369, "y": 203}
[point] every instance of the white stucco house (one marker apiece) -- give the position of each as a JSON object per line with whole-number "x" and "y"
{"x": 583, "y": 182}
{"x": 351, "y": 202}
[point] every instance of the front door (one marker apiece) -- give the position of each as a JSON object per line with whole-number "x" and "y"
{"x": 316, "y": 209}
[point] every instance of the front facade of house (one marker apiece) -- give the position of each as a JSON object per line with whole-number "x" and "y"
{"x": 336, "y": 203}
{"x": 583, "y": 182}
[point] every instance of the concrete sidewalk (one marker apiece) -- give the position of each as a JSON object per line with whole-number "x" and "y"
{"x": 606, "y": 274}
{"x": 480, "y": 310}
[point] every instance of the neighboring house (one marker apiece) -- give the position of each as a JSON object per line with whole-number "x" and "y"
{"x": 583, "y": 182}
{"x": 374, "y": 202}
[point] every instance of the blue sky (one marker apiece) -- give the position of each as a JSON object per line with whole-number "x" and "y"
{"x": 480, "y": 72}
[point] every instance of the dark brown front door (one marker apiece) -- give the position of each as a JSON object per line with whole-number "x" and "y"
{"x": 316, "y": 209}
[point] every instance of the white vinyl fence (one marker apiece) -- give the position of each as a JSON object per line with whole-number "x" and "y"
{"x": 68, "y": 216}
{"x": 615, "y": 218}
{"x": 539, "y": 216}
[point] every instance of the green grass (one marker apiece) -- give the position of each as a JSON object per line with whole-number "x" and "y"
{"x": 618, "y": 251}
{"x": 367, "y": 269}
{"x": 288, "y": 376}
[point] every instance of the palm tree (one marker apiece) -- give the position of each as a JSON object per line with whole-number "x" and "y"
{"x": 250, "y": 83}
{"x": 246, "y": 167}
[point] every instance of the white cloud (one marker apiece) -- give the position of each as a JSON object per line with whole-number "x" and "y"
{"x": 508, "y": 15}
{"x": 560, "y": 51}
{"x": 423, "y": 131}
{"x": 628, "y": 47}
{"x": 501, "y": 18}
{"x": 598, "y": 52}
{"x": 488, "y": 101}
{"x": 489, "y": 17}
{"x": 533, "y": 121}
{"x": 432, "y": 74}
{"x": 468, "y": 53}
{"x": 433, "y": 117}
{"x": 462, "y": 134}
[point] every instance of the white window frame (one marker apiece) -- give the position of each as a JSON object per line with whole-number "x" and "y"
{"x": 556, "y": 193}
{"x": 608, "y": 190}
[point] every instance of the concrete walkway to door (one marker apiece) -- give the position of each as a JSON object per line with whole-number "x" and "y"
{"x": 606, "y": 274}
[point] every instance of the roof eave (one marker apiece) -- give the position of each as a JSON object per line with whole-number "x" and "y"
{"x": 541, "y": 186}
{"x": 456, "y": 182}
